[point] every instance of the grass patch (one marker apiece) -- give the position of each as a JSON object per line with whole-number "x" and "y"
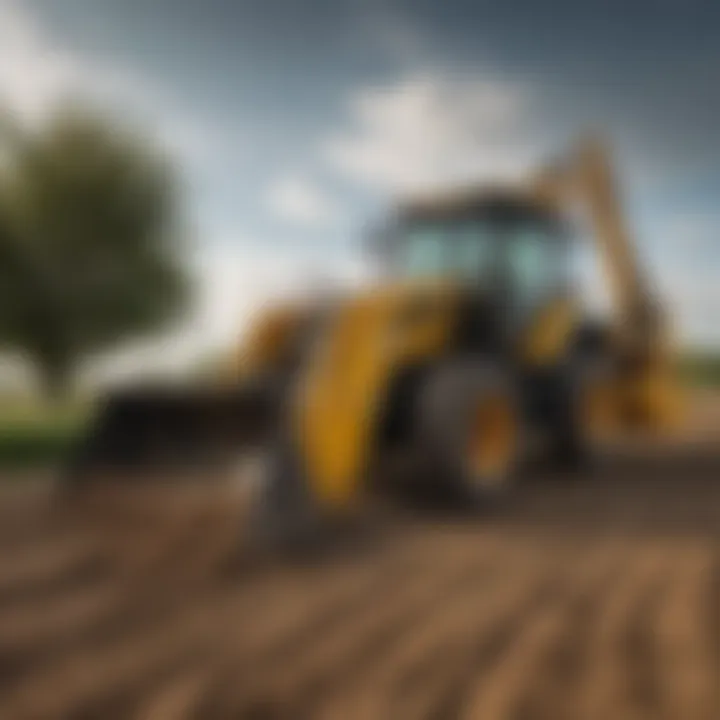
{"x": 701, "y": 369}
{"x": 21, "y": 448}
{"x": 34, "y": 434}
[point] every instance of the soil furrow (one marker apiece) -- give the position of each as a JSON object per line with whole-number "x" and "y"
{"x": 369, "y": 693}
{"x": 315, "y": 635}
{"x": 688, "y": 679}
{"x": 497, "y": 688}
{"x": 603, "y": 685}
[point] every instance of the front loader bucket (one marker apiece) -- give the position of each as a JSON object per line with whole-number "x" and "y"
{"x": 141, "y": 432}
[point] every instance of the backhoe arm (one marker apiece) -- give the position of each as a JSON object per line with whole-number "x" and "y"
{"x": 587, "y": 181}
{"x": 647, "y": 386}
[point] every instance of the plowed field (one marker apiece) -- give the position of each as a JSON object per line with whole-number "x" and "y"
{"x": 598, "y": 599}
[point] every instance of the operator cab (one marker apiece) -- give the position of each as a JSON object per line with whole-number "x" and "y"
{"x": 496, "y": 243}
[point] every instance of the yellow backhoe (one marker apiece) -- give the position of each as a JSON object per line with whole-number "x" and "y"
{"x": 469, "y": 349}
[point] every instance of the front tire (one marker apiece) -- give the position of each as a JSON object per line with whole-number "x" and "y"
{"x": 470, "y": 432}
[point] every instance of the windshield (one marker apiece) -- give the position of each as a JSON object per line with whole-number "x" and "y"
{"x": 526, "y": 256}
{"x": 537, "y": 263}
{"x": 464, "y": 250}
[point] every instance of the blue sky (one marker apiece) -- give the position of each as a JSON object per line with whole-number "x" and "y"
{"x": 296, "y": 121}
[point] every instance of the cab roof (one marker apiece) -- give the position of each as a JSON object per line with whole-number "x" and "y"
{"x": 472, "y": 202}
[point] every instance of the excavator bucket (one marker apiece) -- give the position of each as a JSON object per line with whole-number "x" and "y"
{"x": 138, "y": 433}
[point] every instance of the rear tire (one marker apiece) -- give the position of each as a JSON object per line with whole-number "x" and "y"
{"x": 578, "y": 445}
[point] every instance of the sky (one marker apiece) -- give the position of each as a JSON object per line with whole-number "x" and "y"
{"x": 296, "y": 123}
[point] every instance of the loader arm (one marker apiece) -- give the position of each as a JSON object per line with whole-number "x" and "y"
{"x": 341, "y": 392}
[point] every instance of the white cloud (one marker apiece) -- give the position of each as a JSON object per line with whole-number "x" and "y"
{"x": 300, "y": 201}
{"x": 430, "y": 130}
{"x": 37, "y": 73}
{"x": 237, "y": 280}
{"x": 33, "y": 73}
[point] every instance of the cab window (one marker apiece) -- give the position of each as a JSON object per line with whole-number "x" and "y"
{"x": 535, "y": 263}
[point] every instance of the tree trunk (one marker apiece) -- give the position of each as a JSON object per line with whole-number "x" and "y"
{"x": 56, "y": 379}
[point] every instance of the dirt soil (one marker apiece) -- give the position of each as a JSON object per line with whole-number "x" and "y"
{"x": 596, "y": 599}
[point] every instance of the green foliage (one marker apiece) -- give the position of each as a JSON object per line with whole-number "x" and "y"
{"x": 91, "y": 241}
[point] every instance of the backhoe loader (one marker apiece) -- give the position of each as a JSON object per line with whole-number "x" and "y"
{"x": 471, "y": 348}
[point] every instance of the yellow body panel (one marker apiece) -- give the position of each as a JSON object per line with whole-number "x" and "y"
{"x": 345, "y": 383}
{"x": 651, "y": 399}
{"x": 548, "y": 336}
{"x": 370, "y": 338}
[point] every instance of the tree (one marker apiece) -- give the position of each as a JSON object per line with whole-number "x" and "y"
{"x": 91, "y": 241}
